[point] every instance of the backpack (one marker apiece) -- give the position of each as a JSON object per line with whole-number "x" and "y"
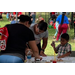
{"x": 3, "y": 37}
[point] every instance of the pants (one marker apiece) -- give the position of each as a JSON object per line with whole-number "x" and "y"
{"x": 33, "y": 18}
{"x": 61, "y": 29}
{"x": 10, "y": 59}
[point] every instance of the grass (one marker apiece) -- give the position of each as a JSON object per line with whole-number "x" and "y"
{"x": 51, "y": 31}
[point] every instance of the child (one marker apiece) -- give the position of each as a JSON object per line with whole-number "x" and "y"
{"x": 64, "y": 48}
{"x": 56, "y": 25}
{"x": 14, "y": 20}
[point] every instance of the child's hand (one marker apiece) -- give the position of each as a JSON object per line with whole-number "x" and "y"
{"x": 53, "y": 44}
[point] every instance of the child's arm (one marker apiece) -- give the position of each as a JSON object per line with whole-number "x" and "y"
{"x": 67, "y": 54}
{"x": 53, "y": 45}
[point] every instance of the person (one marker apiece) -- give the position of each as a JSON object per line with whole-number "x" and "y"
{"x": 14, "y": 20}
{"x": 41, "y": 33}
{"x": 33, "y": 16}
{"x": 40, "y": 18}
{"x": 64, "y": 48}
{"x": 19, "y": 35}
{"x": 56, "y": 25}
{"x": 63, "y": 24}
{"x": 1, "y": 18}
{"x": 53, "y": 16}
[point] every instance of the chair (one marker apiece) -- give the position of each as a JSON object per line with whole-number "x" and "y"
{"x": 72, "y": 54}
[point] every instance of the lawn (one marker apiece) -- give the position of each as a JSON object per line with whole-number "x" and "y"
{"x": 49, "y": 49}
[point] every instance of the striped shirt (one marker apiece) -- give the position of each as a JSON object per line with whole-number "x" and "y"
{"x": 61, "y": 50}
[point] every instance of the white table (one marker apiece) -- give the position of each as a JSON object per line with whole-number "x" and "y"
{"x": 48, "y": 58}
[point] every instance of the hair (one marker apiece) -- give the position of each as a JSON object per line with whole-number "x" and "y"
{"x": 42, "y": 25}
{"x": 24, "y": 18}
{"x": 65, "y": 36}
{"x": 62, "y": 20}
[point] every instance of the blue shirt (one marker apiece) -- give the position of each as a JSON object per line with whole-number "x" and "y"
{"x": 12, "y": 22}
{"x": 59, "y": 18}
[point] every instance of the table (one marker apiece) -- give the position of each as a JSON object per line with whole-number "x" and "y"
{"x": 48, "y": 58}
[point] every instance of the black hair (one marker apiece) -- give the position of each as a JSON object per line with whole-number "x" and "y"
{"x": 65, "y": 36}
{"x": 24, "y": 18}
{"x": 62, "y": 20}
{"x": 42, "y": 25}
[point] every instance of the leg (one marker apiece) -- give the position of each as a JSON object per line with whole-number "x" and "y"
{"x": 39, "y": 47}
{"x": 59, "y": 32}
{"x": 12, "y": 59}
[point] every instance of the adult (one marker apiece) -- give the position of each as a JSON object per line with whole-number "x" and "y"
{"x": 63, "y": 24}
{"x": 41, "y": 33}
{"x": 33, "y": 16}
{"x": 19, "y": 35}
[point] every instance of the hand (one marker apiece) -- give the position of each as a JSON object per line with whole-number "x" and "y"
{"x": 38, "y": 58}
{"x": 42, "y": 53}
{"x": 53, "y": 44}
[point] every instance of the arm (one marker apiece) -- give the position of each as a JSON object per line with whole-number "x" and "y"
{"x": 44, "y": 43}
{"x": 67, "y": 54}
{"x": 53, "y": 45}
{"x": 43, "y": 47}
{"x": 68, "y": 26}
{"x": 33, "y": 46}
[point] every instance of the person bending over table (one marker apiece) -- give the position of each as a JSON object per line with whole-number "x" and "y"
{"x": 64, "y": 48}
{"x": 40, "y": 33}
{"x": 19, "y": 35}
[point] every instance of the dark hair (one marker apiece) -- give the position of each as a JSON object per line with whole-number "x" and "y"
{"x": 42, "y": 25}
{"x": 24, "y": 18}
{"x": 62, "y": 20}
{"x": 65, "y": 36}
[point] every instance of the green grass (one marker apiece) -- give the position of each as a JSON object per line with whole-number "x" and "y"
{"x": 49, "y": 49}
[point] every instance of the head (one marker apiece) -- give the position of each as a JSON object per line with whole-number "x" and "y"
{"x": 24, "y": 19}
{"x": 64, "y": 38}
{"x": 41, "y": 27}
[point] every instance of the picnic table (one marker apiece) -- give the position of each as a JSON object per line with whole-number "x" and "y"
{"x": 48, "y": 58}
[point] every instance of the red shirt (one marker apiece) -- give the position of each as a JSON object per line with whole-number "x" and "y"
{"x": 53, "y": 13}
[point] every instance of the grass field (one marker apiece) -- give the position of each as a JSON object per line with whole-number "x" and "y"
{"x": 49, "y": 49}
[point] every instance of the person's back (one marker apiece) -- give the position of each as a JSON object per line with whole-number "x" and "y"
{"x": 18, "y": 36}
{"x": 59, "y": 18}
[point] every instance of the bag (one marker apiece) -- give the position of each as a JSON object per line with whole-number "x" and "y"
{"x": 3, "y": 37}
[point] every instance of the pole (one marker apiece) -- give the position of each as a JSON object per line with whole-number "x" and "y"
{"x": 16, "y": 17}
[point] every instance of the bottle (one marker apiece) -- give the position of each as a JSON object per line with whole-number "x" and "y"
{"x": 29, "y": 57}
